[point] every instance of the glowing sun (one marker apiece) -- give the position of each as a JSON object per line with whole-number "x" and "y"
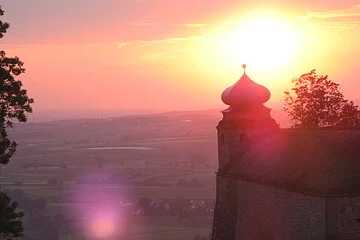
{"x": 263, "y": 43}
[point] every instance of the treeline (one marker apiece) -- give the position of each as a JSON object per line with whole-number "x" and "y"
{"x": 42, "y": 165}
{"x": 179, "y": 207}
{"x": 38, "y": 225}
{"x": 138, "y": 179}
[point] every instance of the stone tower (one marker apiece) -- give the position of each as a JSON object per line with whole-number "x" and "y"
{"x": 246, "y": 116}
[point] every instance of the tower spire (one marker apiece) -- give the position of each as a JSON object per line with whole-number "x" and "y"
{"x": 245, "y": 93}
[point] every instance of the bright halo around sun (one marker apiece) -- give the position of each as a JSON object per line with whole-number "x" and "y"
{"x": 263, "y": 43}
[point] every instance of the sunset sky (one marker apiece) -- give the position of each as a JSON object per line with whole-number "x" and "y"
{"x": 163, "y": 55}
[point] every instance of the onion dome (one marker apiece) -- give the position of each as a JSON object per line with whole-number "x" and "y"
{"x": 245, "y": 92}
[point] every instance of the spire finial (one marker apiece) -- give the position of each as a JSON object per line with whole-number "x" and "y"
{"x": 244, "y": 67}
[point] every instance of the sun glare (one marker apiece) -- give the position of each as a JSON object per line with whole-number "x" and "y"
{"x": 263, "y": 43}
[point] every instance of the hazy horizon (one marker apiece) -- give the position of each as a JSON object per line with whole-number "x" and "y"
{"x": 44, "y": 115}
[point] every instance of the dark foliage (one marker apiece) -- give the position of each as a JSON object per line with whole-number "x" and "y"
{"x": 10, "y": 218}
{"x": 316, "y": 101}
{"x": 194, "y": 183}
{"x": 14, "y": 105}
{"x": 25, "y": 203}
{"x": 198, "y": 237}
{"x": 14, "y": 101}
{"x": 38, "y": 226}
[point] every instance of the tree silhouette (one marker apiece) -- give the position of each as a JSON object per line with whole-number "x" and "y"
{"x": 316, "y": 101}
{"x": 14, "y": 102}
{"x": 10, "y": 220}
{"x": 14, "y": 105}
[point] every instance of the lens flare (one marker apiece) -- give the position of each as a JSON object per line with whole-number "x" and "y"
{"x": 100, "y": 205}
{"x": 104, "y": 226}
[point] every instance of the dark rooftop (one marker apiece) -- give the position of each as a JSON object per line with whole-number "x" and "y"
{"x": 317, "y": 161}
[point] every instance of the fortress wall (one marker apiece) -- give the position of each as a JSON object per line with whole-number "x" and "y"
{"x": 343, "y": 218}
{"x": 269, "y": 213}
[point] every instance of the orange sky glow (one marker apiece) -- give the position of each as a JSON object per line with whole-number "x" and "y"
{"x": 176, "y": 55}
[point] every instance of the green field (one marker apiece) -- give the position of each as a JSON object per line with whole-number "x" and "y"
{"x": 153, "y": 174}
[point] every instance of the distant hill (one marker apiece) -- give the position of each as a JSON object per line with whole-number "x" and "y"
{"x": 61, "y": 114}
{"x": 129, "y": 127}
{"x": 56, "y": 115}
